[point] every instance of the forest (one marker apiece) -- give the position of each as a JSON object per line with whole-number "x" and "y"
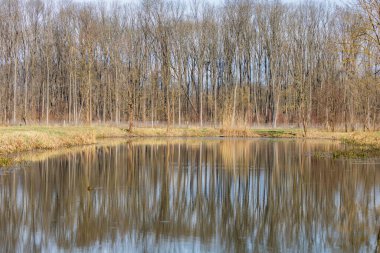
{"x": 239, "y": 63}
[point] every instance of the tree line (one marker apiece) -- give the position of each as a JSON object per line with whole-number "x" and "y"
{"x": 243, "y": 62}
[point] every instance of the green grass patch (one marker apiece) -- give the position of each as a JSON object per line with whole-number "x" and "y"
{"x": 357, "y": 150}
{"x": 5, "y": 162}
{"x": 274, "y": 133}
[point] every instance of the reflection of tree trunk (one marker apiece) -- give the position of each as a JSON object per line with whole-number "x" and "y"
{"x": 164, "y": 195}
{"x": 377, "y": 250}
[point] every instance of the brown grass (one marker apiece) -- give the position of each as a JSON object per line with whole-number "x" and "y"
{"x": 212, "y": 132}
{"x": 40, "y": 155}
{"x": 358, "y": 137}
{"x": 21, "y": 139}
{"x": 360, "y": 144}
{"x": 28, "y": 138}
{"x": 364, "y": 138}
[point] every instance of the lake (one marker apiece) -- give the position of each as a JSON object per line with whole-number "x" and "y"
{"x": 192, "y": 195}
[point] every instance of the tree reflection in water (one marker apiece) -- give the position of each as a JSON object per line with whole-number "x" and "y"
{"x": 192, "y": 195}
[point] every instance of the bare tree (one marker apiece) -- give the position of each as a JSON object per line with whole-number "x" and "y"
{"x": 241, "y": 63}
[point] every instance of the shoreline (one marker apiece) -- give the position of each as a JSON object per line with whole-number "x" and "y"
{"x": 19, "y": 139}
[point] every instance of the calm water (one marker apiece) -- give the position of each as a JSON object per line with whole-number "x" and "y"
{"x": 192, "y": 195}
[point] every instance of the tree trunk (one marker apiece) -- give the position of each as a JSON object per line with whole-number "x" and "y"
{"x": 47, "y": 90}
{"x": 15, "y": 89}
{"x": 234, "y": 108}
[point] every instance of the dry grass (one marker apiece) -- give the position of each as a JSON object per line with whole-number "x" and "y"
{"x": 40, "y": 155}
{"x": 28, "y": 138}
{"x": 21, "y": 139}
{"x": 358, "y": 137}
{"x": 368, "y": 138}
{"x": 212, "y": 132}
{"x": 175, "y": 132}
{"x": 215, "y": 132}
{"x": 360, "y": 144}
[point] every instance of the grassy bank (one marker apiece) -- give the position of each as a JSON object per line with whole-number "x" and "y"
{"x": 27, "y": 138}
{"x": 365, "y": 138}
{"x": 214, "y": 132}
{"x": 22, "y": 139}
{"x": 357, "y": 144}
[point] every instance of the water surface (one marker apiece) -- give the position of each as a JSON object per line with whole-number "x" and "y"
{"x": 192, "y": 195}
